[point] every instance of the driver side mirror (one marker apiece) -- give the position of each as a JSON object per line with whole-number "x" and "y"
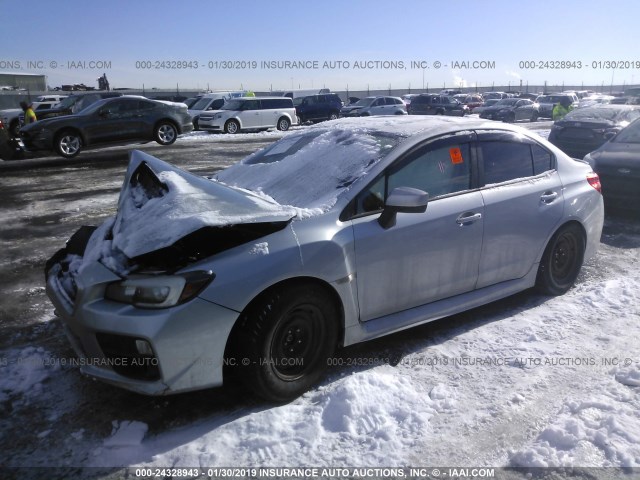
{"x": 609, "y": 135}
{"x": 402, "y": 200}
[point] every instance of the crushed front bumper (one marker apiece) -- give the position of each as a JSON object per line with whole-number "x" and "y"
{"x": 149, "y": 351}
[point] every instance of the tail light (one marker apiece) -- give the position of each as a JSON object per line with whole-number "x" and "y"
{"x": 594, "y": 181}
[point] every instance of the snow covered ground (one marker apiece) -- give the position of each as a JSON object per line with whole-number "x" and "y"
{"x": 530, "y": 381}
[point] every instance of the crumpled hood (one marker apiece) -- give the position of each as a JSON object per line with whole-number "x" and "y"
{"x": 160, "y": 204}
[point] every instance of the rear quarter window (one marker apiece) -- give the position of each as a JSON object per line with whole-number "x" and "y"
{"x": 276, "y": 103}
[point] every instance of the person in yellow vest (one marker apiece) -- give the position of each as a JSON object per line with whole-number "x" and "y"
{"x": 29, "y": 114}
{"x": 561, "y": 108}
{"x": 250, "y": 94}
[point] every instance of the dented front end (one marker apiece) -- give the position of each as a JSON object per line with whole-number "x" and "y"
{"x": 133, "y": 310}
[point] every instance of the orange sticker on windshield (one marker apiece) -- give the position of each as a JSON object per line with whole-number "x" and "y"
{"x": 456, "y": 155}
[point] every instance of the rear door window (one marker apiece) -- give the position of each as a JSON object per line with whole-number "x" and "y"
{"x": 505, "y": 156}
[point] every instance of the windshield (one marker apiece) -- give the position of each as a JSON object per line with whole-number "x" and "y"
{"x": 69, "y": 101}
{"x": 365, "y": 102}
{"x": 631, "y": 134}
{"x": 202, "y": 103}
{"x": 603, "y": 114}
{"x": 310, "y": 170}
{"x": 93, "y": 107}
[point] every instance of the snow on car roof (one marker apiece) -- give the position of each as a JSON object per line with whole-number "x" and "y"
{"x": 309, "y": 171}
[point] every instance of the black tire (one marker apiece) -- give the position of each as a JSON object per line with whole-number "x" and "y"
{"x": 232, "y": 126}
{"x": 439, "y": 112}
{"x": 284, "y": 341}
{"x": 165, "y": 133}
{"x": 534, "y": 117}
{"x": 68, "y": 143}
{"x": 14, "y": 129}
{"x": 333, "y": 116}
{"x": 511, "y": 118}
{"x": 283, "y": 124}
{"x": 561, "y": 261}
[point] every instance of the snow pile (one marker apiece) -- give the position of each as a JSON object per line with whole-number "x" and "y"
{"x": 603, "y": 430}
{"x": 373, "y": 418}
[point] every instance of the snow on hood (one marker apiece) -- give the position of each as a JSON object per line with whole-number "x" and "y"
{"x": 159, "y": 204}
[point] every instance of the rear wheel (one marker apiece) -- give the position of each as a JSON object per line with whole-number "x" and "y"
{"x": 561, "y": 261}
{"x": 534, "y": 117}
{"x": 165, "y": 133}
{"x": 285, "y": 341}
{"x": 333, "y": 116}
{"x": 68, "y": 144}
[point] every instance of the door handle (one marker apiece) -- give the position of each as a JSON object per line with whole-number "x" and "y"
{"x": 548, "y": 197}
{"x": 468, "y": 218}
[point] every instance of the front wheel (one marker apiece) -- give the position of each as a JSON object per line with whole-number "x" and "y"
{"x": 283, "y": 124}
{"x": 534, "y": 117}
{"x": 68, "y": 144}
{"x": 333, "y": 116}
{"x": 166, "y": 133}
{"x": 561, "y": 261}
{"x": 232, "y": 127}
{"x": 285, "y": 341}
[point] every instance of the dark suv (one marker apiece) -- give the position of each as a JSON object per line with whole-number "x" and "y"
{"x": 431, "y": 104}
{"x": 319, "y": 107}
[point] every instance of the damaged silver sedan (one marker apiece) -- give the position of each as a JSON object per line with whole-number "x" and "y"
{"x": 345, "y": 232}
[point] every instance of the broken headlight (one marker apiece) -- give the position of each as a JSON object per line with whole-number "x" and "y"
{"x": 158, "y": 291}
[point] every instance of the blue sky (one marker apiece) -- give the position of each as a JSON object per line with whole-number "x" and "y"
{"x": 117, "y": 34}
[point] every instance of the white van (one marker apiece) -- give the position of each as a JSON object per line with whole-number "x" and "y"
{"x": 251, "y": 113}
{"x": 211, "y": 102}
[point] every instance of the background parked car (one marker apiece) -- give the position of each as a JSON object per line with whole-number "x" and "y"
{"x": 592, "y": 100}
{"x": 432, "y": 104}
{"x": 211, "y": 102}
{"x": 251, "y": 113}
{"x": 487, "y": 103}
{"x": 112, "y": 120}
{"x": 374, "y": 106}
{"x": 494, "y": 95}
{"x": 617, "y": 162}
{"x": 472, "y": 101}
{"x": 585, "y": 129}
{"x": 325, "y": 106}
{"x": 547, "y": 102}
{"x": 407, "y": 100}
{"x": 511, "y": 110}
